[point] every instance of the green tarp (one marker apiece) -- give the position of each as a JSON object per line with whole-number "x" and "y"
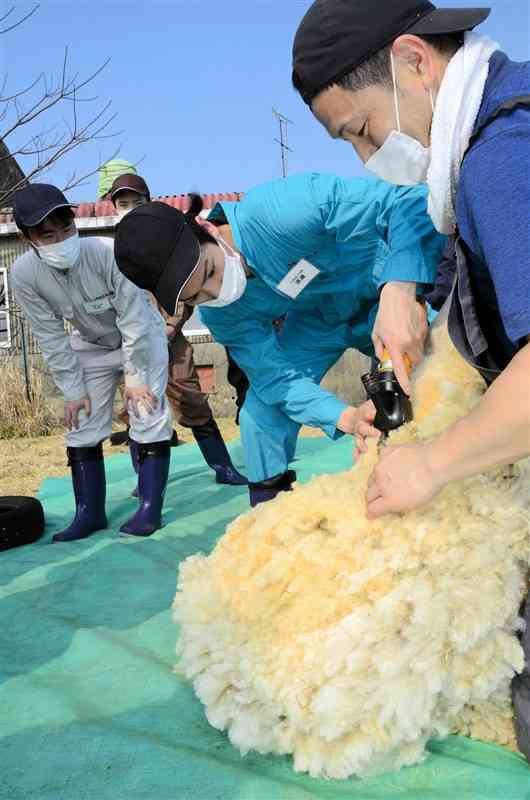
{"x": 89, "y": 706}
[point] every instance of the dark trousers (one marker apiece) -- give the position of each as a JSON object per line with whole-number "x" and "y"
{"x": 521, "y": 693}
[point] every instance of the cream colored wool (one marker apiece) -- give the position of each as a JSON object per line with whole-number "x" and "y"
{"x": 346, "y": 642}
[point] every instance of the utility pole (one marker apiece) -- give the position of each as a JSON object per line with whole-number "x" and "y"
{"x": 282, "y": 141}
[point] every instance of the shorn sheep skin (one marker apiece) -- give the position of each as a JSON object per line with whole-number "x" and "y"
{"x": 348, "y": 643}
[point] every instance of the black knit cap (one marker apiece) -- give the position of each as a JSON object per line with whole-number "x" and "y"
{"x": 156, "y": 249}
{"x": 336, "y": 36}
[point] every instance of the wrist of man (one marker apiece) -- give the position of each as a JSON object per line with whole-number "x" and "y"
{"x": 407, "y": 288}
{"x": 439, "y": 461}
{"x": 133, "y": 380}
{"x": 346, "y": 421}
{"x": 76, "y": 397}
{"x": 76, "y": 400}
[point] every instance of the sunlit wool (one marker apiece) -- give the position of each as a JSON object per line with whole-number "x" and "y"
{"x": 347, "y": 643}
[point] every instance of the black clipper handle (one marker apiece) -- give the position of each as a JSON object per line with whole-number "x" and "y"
{"x": 393, "y": 406}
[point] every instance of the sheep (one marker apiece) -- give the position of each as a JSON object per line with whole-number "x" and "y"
{"x": 347, "y": 642}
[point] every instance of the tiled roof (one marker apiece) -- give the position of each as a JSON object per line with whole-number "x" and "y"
{"x": 104, "y": 208}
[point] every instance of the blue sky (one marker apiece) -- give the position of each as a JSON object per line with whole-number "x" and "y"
{"x": 193, "y": 84}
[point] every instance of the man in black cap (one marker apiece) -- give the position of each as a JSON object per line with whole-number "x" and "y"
{"x": 116, "y": 331}
{"x": 422, "y": 98}
{"x": 312, "y": 247}
{"x": 189, "y": 403}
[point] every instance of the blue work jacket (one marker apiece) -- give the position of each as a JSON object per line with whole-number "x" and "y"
{"x": 350, "y": 237}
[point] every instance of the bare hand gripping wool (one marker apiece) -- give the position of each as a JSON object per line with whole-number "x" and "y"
{"x": 348, "y": 643}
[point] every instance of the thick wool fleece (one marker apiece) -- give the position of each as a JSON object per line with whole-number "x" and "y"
{"x": 346, "y": 642}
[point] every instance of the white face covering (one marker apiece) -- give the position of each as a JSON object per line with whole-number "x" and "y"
{"x": 234, "y": 280}
{"x": 61, "y": 255}
{"x": 401, "y": 159}
{"x": 122, "y": 212}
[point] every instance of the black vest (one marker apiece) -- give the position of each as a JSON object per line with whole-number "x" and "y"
{"x": 475, "y": 323}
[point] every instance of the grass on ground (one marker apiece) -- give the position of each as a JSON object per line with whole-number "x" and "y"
{"x": 26, "y": 461}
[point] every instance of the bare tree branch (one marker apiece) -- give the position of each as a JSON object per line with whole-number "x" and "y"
{"x": 19, "y": 21}
{"x": 37, "y": 144}
{"x": 7, "y": 99}
{"x": 75, "y": 181}
{"x": 42, "y": 100}
{"x": 48, "y": 155}
{"x": 66, "y": 90}
{"x": 46, "y": 158}
{"x": 7, "y": 14}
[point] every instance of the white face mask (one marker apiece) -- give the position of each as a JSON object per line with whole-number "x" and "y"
{"x": 234, "y": 281}
{"x": 401, "y": 159}
{"x": 122, "y": 212}
{"x": 61, "y": 255}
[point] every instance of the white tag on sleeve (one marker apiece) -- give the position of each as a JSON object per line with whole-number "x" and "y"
{"x": 298, "y": 278}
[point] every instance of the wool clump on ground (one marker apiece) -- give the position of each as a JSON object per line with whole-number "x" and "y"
{"x": 348, "y": 643}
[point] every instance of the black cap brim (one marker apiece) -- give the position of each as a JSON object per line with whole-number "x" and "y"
{"x": 38, "y": 216}
{"x": 156, "y": 249}
{"x": 180, "y": 267}
{"x": 125, "y": 189}
{"x": 450, "y": 20}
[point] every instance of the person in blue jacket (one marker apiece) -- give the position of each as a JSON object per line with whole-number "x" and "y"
{"x": 342, "y": 259}
{"x": 423, "y": 98}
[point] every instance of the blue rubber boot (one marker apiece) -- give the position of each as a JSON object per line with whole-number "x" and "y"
{"x": 267, "y": 490}
{"x": 153, "y": 472}
{"x": 214, "y": 451}
{"x": 88, "y": 479}
{"x": 135, "y": 455}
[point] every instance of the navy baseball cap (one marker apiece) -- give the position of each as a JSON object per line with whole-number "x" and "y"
{"x": 336, "y": 36}
{"x": 156, "y": 249}
{"x": 35, "y": 202}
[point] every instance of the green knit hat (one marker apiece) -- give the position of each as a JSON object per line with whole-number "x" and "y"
{"x": 112, "y": 170}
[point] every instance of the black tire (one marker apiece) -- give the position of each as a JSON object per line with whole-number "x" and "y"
{"x": 21, "y": 521}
